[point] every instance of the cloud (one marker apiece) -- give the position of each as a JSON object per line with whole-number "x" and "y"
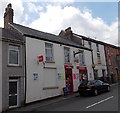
{"x": 53, "y": 1}
{"x": 17, "y": 5}
{"x": 57, "y": 18}
{"x": 33, "y": 8}
{"x": 53, "y": 18}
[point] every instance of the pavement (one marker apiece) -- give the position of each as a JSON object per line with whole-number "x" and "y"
{"x": 34, "y": 105}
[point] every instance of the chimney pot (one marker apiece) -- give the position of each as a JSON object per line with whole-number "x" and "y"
{"x": 8, "y": 15}
{"x": 9, "y": 5}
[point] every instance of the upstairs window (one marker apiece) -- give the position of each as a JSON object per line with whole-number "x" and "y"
{"x": 13, "y": 55}
{"x": 67, "y": 55}
{"x": 90, "y": 44}
{"x": 98, "y": 58}
{"x": 49, "y": 52}
{"x": 82, "y": 60}
{"x": 97, "y": 46}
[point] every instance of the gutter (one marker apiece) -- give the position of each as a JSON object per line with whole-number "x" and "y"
{"x": 77, "y": 46}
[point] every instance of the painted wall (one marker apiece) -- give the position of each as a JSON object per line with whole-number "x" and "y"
{"x": 47, "y": 83}
{"x": 101, "y": 66}
{"x": 88, "y": 62}
{"x": 50, "y": 76}
{"x": 13, "y": 72}
{"x": 0, "y": 72}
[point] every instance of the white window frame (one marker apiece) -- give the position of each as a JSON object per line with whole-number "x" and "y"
{"x": 81, "y": 55}
{"x": 15, "y": 48}
{"x": 66, "y": 52}
{"x": 52, "y": 53}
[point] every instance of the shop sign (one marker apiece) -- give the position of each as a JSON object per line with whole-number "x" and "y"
{"x": 40, "y": 58}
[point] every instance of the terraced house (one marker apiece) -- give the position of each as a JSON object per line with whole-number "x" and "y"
{"x": 12, "y": 59}
{"x": 112, "y": 59}
{"x": 97, "y": 54}
{"x": 35, "y": 64}
{"x": 105, "y": 57}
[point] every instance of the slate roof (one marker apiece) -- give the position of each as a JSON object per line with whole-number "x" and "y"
{"x": 26, "y": 31}
{"x": 96, "y": 41}
{"x": 8, "y": 34}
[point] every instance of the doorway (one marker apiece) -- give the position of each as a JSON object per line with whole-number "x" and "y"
{"x": 68, "y": 74}
{"x": 13, "y": 93}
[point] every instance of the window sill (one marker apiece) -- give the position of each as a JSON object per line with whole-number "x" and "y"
{"x": 49, "y": 62}
{"x": 13, "y": 65}
{"x": 50, "y": 67}
{"x": 52, "y": 87}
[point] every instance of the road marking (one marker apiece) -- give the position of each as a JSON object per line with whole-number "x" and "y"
{"x": 99, "y": 102}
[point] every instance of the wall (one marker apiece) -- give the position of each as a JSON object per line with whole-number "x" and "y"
{"x": 88, "y": 62}
{"x": 0, "y": 72}
{"x": 101, "y": 66}
{"x": 111, "y": 53}
{"x": 48, "y": 83}
{"x": 44, "y": 86}
{"x": 14, "y": 72}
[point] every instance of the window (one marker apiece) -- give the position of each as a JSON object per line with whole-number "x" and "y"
{"x": 90, "y": 44}
{"x": 13, "y": 55}
{"x": 99, "y": 82}
{"x": 95, "y": 73}
{"x": 109, "y": 61}
{"x": 98, "y": 54}
{"x": 97, "y": 46}
{"x": 49, "y": 52}
{"x": 98, "y": 58}
{"x": 67, "y": 54}
{"x": 82, "y": 61}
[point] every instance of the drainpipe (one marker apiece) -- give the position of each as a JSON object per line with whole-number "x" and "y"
{"x": 25, "y": 70}
{"x": 107, "y": 65}
{"x": 93, "y": 65}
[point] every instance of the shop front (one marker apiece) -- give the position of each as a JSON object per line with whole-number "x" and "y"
{"x": 68, "y": 77}
{"x": 83, "y": 75}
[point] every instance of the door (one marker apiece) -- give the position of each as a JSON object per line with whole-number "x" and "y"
{"x": 13, "y": 93}
{"x": 68, "y": 74}
{"x": 103, "y": 73}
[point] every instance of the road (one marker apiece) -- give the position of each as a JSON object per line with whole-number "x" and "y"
{"x": 107, "y": 101}
{"x": 104, "y": 102}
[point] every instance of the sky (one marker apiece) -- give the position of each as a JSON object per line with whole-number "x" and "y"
{"x": 91, "y": 18}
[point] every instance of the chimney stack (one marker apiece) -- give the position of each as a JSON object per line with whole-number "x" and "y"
{"x": 8, "y": 15}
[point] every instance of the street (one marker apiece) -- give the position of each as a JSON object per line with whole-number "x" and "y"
{"x": 107, "y": 101}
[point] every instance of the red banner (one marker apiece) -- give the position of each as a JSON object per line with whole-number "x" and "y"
{"x": 67, "y": 66}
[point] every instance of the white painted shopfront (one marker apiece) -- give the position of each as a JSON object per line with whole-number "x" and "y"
{"x": 47, "y": 79}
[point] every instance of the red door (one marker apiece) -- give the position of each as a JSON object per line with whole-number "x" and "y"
{"x": 68, "y": 74}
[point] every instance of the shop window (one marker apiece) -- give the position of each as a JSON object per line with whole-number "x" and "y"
{"x": 95, "y": 74}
